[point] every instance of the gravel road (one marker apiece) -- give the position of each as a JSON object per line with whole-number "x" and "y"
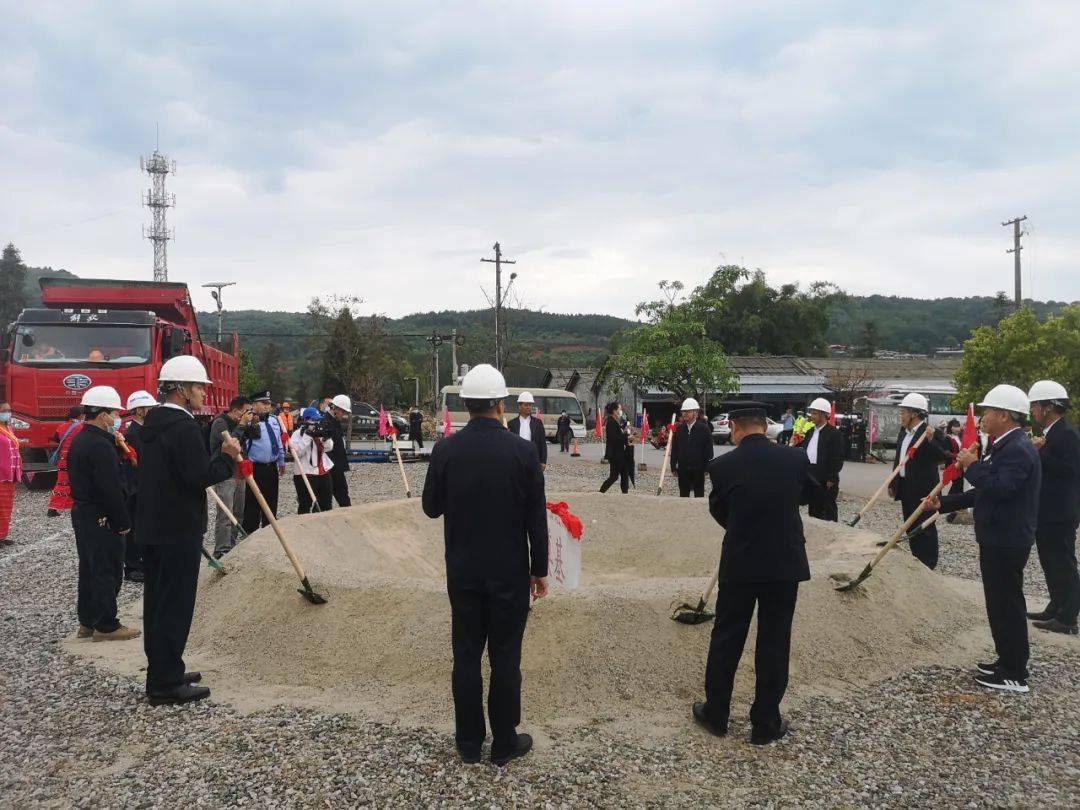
{"x": 71, "y": 735}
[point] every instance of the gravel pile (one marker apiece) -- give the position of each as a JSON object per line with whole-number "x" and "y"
{"x": 71, "y": 735}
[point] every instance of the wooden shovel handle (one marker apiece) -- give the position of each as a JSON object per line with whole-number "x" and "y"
{"x": 667, "y": 455}
{"x": 221, "y": 506}
{"x": 891, "y": 476}
{"x": 276, "y": 526}
{"x": 907, "y": 524}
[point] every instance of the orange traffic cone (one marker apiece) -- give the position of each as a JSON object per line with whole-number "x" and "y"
{"x": 574, "y": 452}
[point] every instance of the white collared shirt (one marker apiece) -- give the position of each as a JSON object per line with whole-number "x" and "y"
{"x": 811, "y": 446}
{"x": 525, "y": 427}
{"x": 908, "y": 436}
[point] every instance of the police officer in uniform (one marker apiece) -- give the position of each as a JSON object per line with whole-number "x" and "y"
{"x": 99, "y": 516}
{"x": 756, "y": 491}
{"x": 265, "y": 447}
{"x": 487, "y": 486}
{"x": 1005, "y": 497}
{"x": 174, "y": 471}
{"x": 1059, "y": 506}
{"x": 691, "y": 450}
{"x": 529, "y": 427}
{"x": 824, "y": 447}
{"x": 338, "y": 409}
{"x": 920, "y": 473}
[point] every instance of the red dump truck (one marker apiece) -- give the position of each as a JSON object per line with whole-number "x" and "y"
{"x": 99, "y": 332}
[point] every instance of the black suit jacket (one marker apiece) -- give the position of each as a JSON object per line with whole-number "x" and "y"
{"x": 1059, "y": 499}
{"x": 336, "y": 431}
{"x": 691, "y": 449}
{"x": 1005, "y": 495}
{"x": 921, "y": 472}
{"x": 615, "y": 440}
{"x": 487, "y": 485}
{"x": 830, "y": 454}
{"x": 536, "y": 428}
{"x": 756, "y": 490}
{"x": 96, "y": 482}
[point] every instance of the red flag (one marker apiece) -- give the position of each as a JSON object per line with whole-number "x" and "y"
{"x": 644, "y": 426}
{"x": 969, "y": 438}
{"x": 390, "y": 429}
{"x": 832, "y": 415}
{"x": 382, "y": 423}
{"x": 447, "y": 426}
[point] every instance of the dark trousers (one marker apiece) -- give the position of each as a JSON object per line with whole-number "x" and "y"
{"x": 492, "y": 614}
{"x": 172, "y": 578}
{"x": 101, "y": 570}
{"x": 1056, "y": 543}
{"x": 323, "y": 489}
{"x": 132, "y": 549}
{"x": 924, "y": 547}
{"x": 618, "y": 470}
{"x": 691, "y": 480}
{"x": 266, "y": 477}
{"x": 340, "y": 486}
{"x": 564, "y": 443}
{"x": 823, "y": 504}
{"x": 1003, "y": 587}
{"x": 734, "y": 608}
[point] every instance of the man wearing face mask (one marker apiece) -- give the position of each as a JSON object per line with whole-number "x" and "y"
{"x": 265, "y": 447}
{"x": 99, "y": 516}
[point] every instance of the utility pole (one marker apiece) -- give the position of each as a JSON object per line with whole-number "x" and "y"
{"x": 499, "y": 261}
{"x": 215, "y": 292}
{"x": 453, "y": 356}
{"x": 158, "y": 200}
{"x": 1015, "y": 251}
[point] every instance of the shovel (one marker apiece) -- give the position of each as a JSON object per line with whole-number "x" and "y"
{"x": 667, "y": 455}
{"x": 401, "y": 465}
{"x": 898, "y": 535}
{"x": 241, "y": 534}
{"x": 212, "y": 562}
{"x": 888, "y": 480}
{"x": 311, "y": 492}
{"x": 691, "y": 614}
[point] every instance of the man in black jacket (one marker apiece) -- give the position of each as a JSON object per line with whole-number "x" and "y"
{"x": 487, "y": 486}
{"x": 691, "y": 450}
{"x": 824, "y": 447}
{"x": 616, "y": 443}
{"x": 1059, "y": 506}
{"x": 756, "y": 491}
{"x": 99, "y": 516}
{"x": 416, "y": 427}
{"x": 564, "y": 432}
{"x": 530, "y": 427}
{"x": 138, "y": 405}
{"x": 340, "y": 409}
{"x": 175, "y": 469}
{"x": 920, "y": 472}
{"x": 1005, "y": 498}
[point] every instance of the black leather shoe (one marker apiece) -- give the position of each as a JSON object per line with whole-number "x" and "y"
{"x": 702, "y": 719}
{"x": 764, "y": 738}
{"x": 135, "y": 576}
{"x": 184, "y": 693}
{"x": 470, "y": 754}
{"x": 1049, "y": 613}
{"x": 522, "y": 745}
{"x": 1057, "y": 626}
{"x": 192, "y": 677}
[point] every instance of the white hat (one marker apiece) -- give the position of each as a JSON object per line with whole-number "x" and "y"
{"x": 1048, "y": 391}
{"x": 140, "y": 399}
{"x": 183, "y": 369}
{"x": 483, "y": 382}
{"x": 820, "y": 404}
{"x": 1006, "y": 398}
{"x": 102, "y": 396}
{"x": 342, "y": 401}
{"x": 915, "y": 402}
{"x": 526, "y": 397}
{"x": 690, "y": 404}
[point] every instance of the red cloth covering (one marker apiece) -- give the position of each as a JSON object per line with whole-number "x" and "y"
{"x": 245, "y": 468}
{"x": 7, "y": 503}
{"x": 571, "y": 521}
{"x": 61, "y": 495}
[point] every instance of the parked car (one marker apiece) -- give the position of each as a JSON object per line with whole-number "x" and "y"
{"x": 721, "y": 429}
{"x": 366, "y": 421}
{"x": 774, "y": 429}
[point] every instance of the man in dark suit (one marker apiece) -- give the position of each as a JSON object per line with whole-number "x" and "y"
{"x": 920, "y": 472}
{"x": 756, "y": 491}
{"x": 691, "y": 450}
{"x": 824, "y": 446}
{"x": 339, "y": 410}
{"x": 487, "y": 486}
{"x": 616, "y": 444}
{"x": 1059, "y": 506}
{"x": 1005, "y": 497}
{"x": 416, "y": 427}
{"x": 530, "y": 427}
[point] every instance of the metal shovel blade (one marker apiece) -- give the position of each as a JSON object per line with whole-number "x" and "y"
{"x": 310, "y": 594}
{"x": 688, "y": 614}
{"x": 854, "y": 521}
{"x": 855, "y": 583}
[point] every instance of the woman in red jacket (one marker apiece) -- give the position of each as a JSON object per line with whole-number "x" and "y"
{"x": 61, "y": 494}
{"x": 10, "y": 472}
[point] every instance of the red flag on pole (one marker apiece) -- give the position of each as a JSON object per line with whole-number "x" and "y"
{"x": 382, "y": 423}
{"x": 832, "y": 415}
{"x": 969, "y": 438}
{"x": 644, "y": 426}
{"x": 447, "y": 427}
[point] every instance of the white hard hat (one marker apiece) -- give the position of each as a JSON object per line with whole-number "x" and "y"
{"x": 342, "y": 401}
{"x": 915, "y": 402}
{"x": 820, "y": 404}
{"x": 483, "y": 382}
{"x": 690, "y": 404}
{"x": 140, "y": 399}
{"x": 102, "y": 396}
{"x": 526, "y": 397}
{"x": 183, "y": 369}
{"x": 1048, "y": 391}
{"x": 1006, "y": 398}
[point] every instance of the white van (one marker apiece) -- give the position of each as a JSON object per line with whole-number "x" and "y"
{"x": 550, "y": 403}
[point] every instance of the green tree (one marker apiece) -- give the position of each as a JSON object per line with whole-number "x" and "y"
{"x": 871, "y": 339}
{"x": 1019, "y": 351}
{"x": 270, "y": 370}
{"x": 12, "y": 281}
{"x": 300, "y": 389}
{"x": 1001, "y": 306}
{"x": 672, "y": 351}
{"x": 248, "y": 377}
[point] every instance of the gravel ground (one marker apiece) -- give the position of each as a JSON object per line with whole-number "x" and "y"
{"x": 71, "y": 735}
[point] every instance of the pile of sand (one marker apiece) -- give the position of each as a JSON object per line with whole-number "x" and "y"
{"x": 605, "y": 652}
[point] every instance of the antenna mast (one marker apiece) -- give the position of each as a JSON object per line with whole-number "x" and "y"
{"x": 158, "y": 200}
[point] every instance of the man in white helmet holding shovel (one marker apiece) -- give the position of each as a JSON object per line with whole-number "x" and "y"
{"x": 691, "y": 450}
{"x": 175, "y": 469}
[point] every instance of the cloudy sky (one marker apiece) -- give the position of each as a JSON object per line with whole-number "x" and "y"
{"x": 336, "y": 148}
